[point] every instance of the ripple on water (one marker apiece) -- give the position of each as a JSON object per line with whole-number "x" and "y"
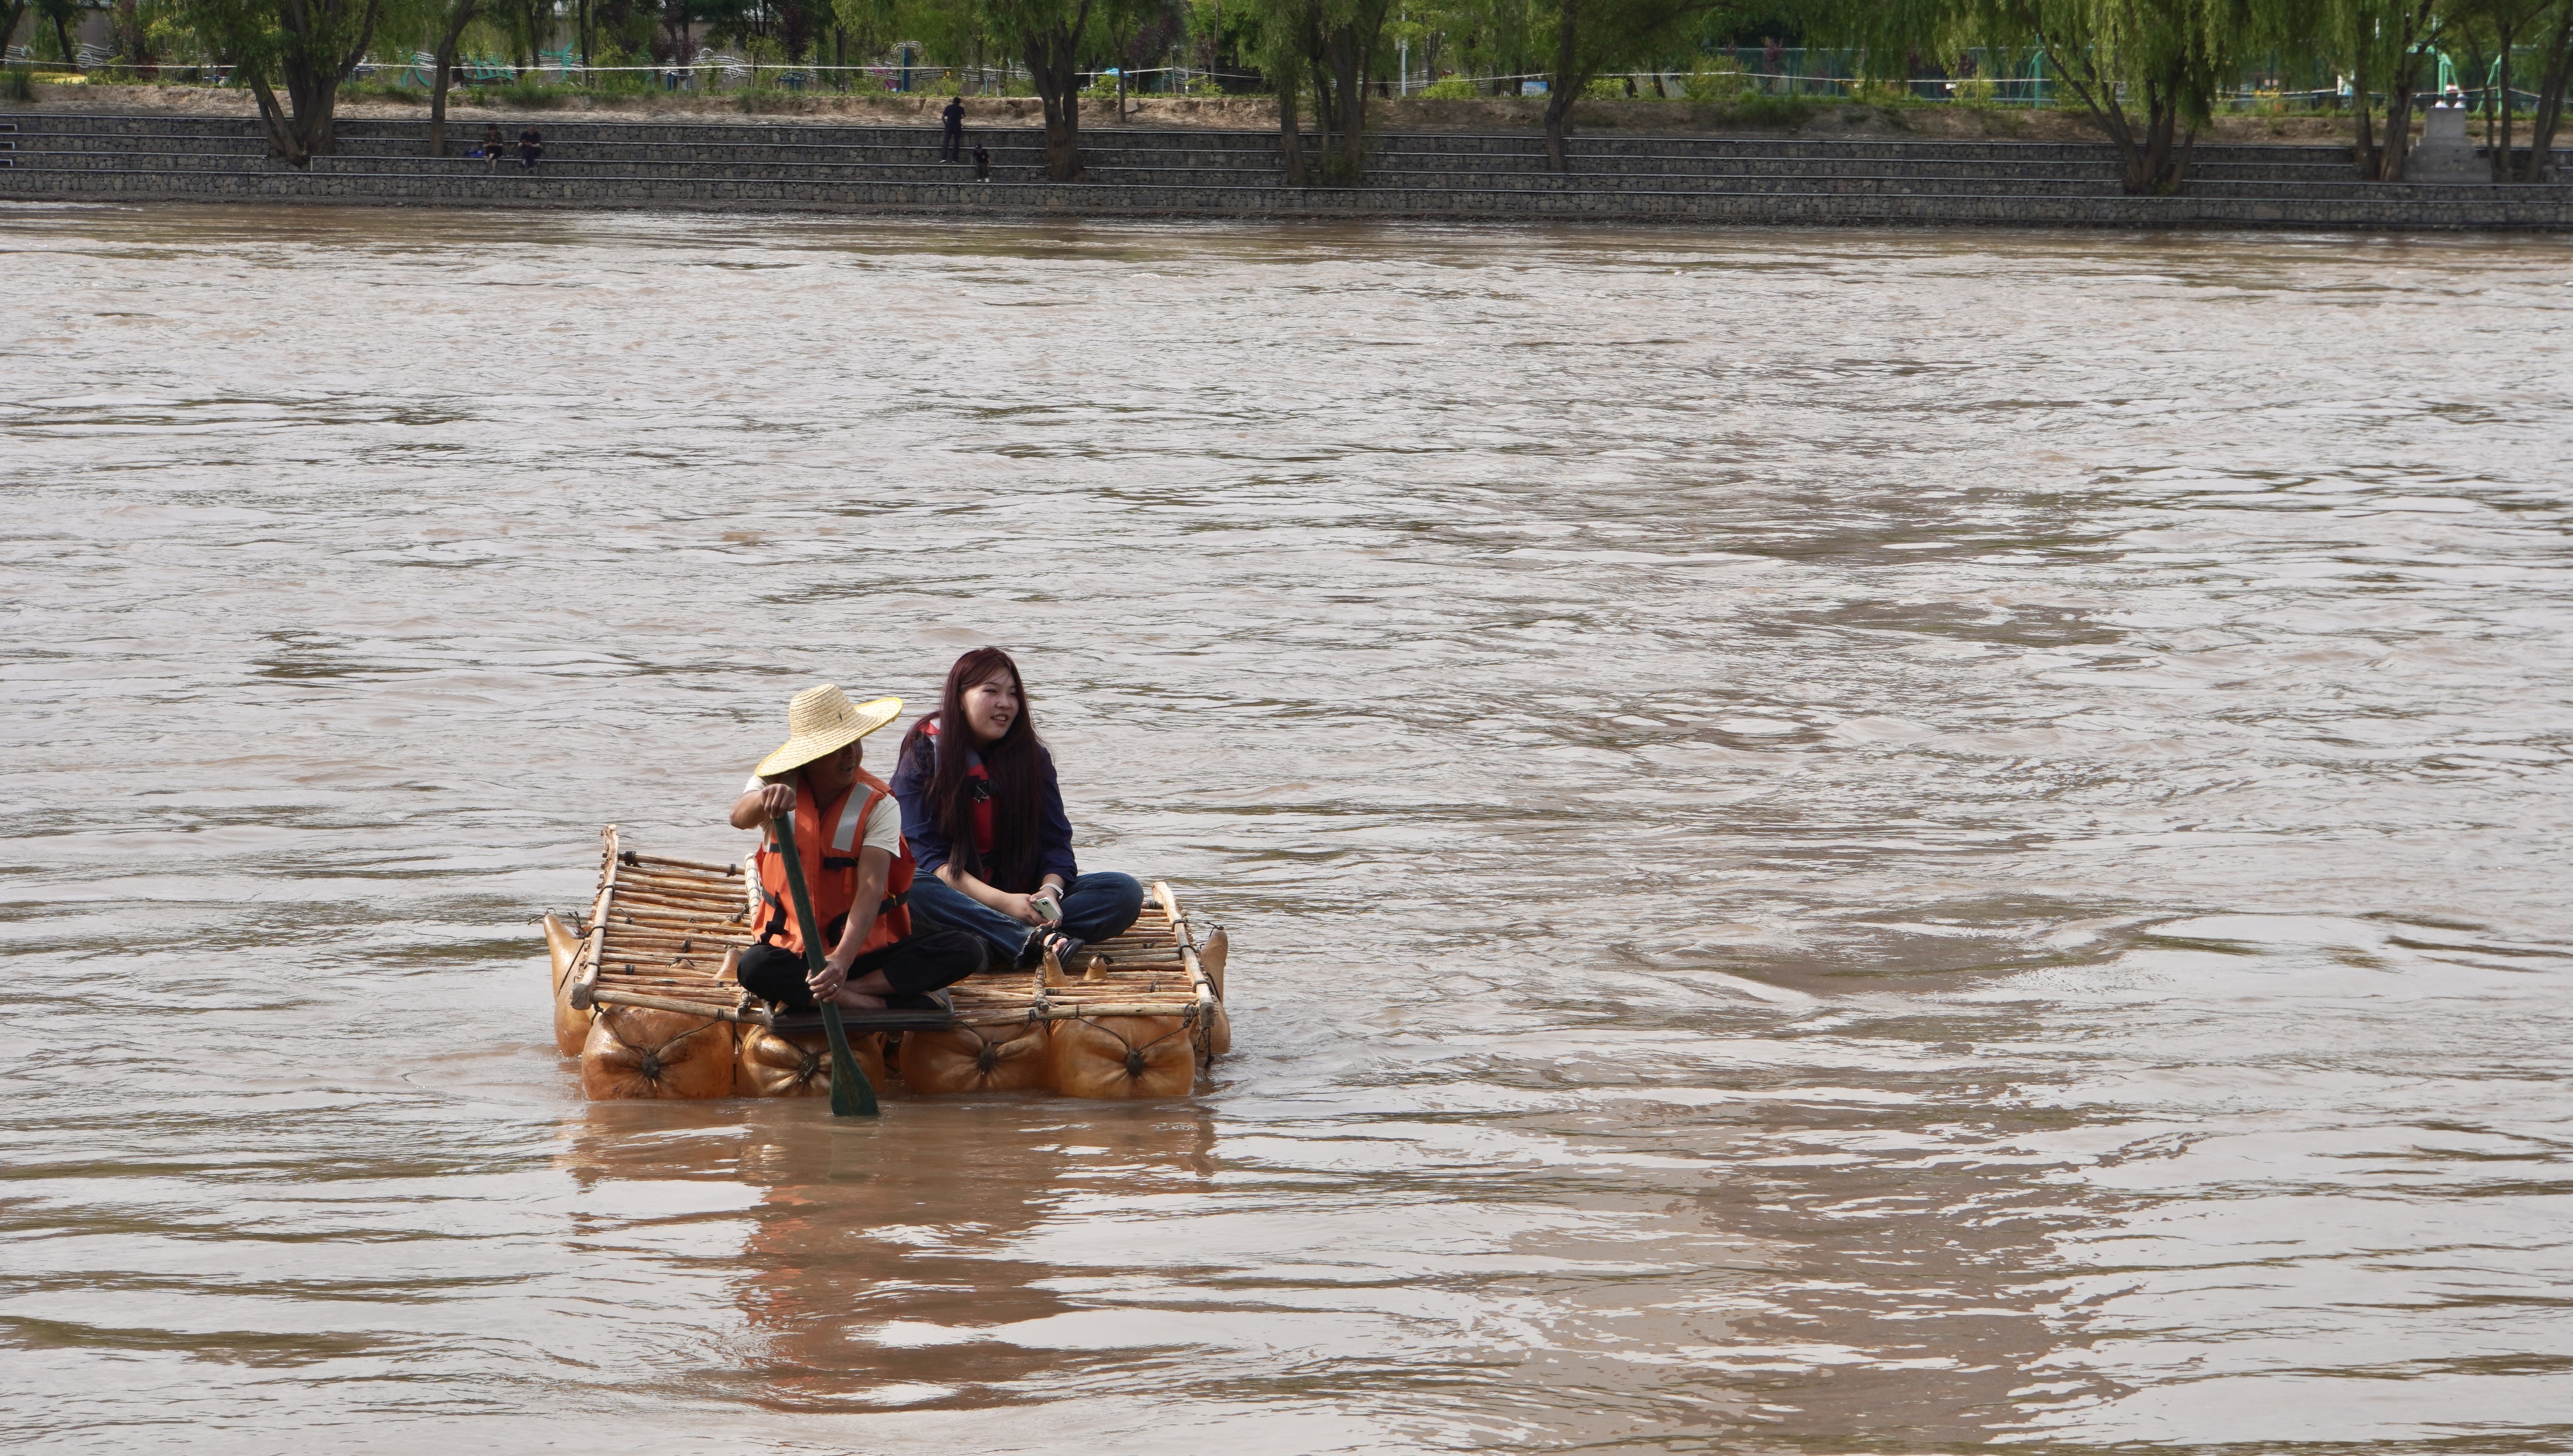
{"x": 1851, "y": 842}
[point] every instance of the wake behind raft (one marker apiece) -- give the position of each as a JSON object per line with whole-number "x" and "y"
{"x": 645, "y": 994}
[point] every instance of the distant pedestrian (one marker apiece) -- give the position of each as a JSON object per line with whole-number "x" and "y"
{"x": 493, "y": 148}
{"x": 982, "y": 162}
{"x": 952, "y": 142}
{"x": 530, "y": 147}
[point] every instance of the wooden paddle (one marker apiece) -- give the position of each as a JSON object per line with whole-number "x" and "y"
{"x": 850, "y": 1094}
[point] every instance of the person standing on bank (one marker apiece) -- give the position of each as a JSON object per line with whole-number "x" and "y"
{"x": 984, "y": 816}
{"x": 858, "y": 870}
{"x": 951, "y": 144}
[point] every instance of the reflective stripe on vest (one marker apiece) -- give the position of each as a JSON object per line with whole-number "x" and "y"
{"x": 852, "y": 816}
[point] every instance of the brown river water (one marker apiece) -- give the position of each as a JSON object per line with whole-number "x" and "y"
{"x": 1853, "y": 842}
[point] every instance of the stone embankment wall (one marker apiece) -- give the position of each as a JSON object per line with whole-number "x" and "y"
{"x": 807, "y": 167}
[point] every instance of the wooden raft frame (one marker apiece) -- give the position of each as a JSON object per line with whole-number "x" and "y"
{"x": 664, "y": 934}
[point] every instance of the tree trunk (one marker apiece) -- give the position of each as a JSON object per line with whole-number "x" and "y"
{"x": 2098, "y": 96}
{"x": 448, "y": 43}
{"x": 2155, "y": 169}
{"x": 1351, "y": 50}
{"x": 1559, "y": 128}
{"x": 438, "y": 109}
{"x": 322, "y": 44}
{"x": 63, "y": 38}
{"x": 2415, "y": 22}
{"x": 1564, "y": 88}
{"x": 1052, "y": 55}
{"x": 2550, "y": 101}
{"x": 2398, "y": 122}
{"x": 1326, "y": 106}
{"x": 1291, "y": 134}
{"x": 1349, "y": 76}
{"x": 2367, "y": 156}
{"x": 2501, "y": 152}
{"x": 10, "y": 15}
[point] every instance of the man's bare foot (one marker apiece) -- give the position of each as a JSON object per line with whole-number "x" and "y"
{"x": 849, "y": 999}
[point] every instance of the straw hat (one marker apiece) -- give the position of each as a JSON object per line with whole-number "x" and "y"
{"x": 821, "y": 720}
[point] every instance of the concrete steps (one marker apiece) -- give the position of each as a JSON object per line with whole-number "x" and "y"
{"x": 1838, "y": 182}
{"x": 799, "y": 166}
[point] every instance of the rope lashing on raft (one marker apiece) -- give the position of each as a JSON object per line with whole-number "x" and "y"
{"x": 1134, "y": 1054}
{"x": 988, "y": 1059}
{"x": 651, "y": 1061}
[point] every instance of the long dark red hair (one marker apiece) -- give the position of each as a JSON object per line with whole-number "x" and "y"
{"x": 1015, "y": 761}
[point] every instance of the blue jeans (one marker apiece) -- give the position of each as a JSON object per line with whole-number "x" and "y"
{"x": 1095, "y": 907}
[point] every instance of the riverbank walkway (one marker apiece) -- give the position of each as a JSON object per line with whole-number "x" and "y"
{"x": 757, "y": 165}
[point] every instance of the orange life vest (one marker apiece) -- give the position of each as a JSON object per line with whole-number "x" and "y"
{"x": 829, "y": 849}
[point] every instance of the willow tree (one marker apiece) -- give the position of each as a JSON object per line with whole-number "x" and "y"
{"x": 870, "y": 21}
{"x": 446, "y": 22}
{"x": 1591, "y": 37}
{"x": 2383, "y": 46}
{"x": 2547, "y": 27}
{"x": 2555, "y": 32}
{"x": 1332, "y": 46}
{"x": 2146, "y": 70}
{"x": 306, "y": 46}
{"x": 1048, "y": 36}
{"x": 64, "y": 14}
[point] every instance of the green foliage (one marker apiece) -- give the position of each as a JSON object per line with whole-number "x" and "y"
{"x": 304, "y": 47}
{"x": 531, "y": 95}
{"x": 1725, "y": 84}
{"x": 20, "y": 84}
{"x": 1605, "y": 88}
{"x": 51, "y": 28}
{"x": 1752, "y": 109}
{"x": 617, "y": 82}
{"x": 1452, "y": 88}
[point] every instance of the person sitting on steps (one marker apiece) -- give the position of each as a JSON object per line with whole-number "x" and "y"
{"x": 857, "y": 870}
{"x": 984, "y": 816}
{"x": 494, "y": 146}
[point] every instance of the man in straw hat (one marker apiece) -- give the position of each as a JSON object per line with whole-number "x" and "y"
{"x": 848, "y": 833}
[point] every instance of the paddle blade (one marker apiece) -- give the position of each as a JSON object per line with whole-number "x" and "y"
{"x": 851, "y": 1096}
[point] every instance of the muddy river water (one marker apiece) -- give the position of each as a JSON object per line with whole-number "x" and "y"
{"x": 1835, "y": 841}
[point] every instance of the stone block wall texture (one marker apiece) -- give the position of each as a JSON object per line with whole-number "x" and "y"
{"x": 799, "y": 167}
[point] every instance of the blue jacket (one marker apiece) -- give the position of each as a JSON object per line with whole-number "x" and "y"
{"x": 929, "y": 846}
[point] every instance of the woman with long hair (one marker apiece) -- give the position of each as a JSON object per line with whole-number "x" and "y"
{"x": 984, "y": 816}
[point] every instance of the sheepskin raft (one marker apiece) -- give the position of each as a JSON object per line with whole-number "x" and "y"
{"x": 645, "y": 994}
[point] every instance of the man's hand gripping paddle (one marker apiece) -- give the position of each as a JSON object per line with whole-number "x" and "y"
{"x": 850, "y": 1094}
